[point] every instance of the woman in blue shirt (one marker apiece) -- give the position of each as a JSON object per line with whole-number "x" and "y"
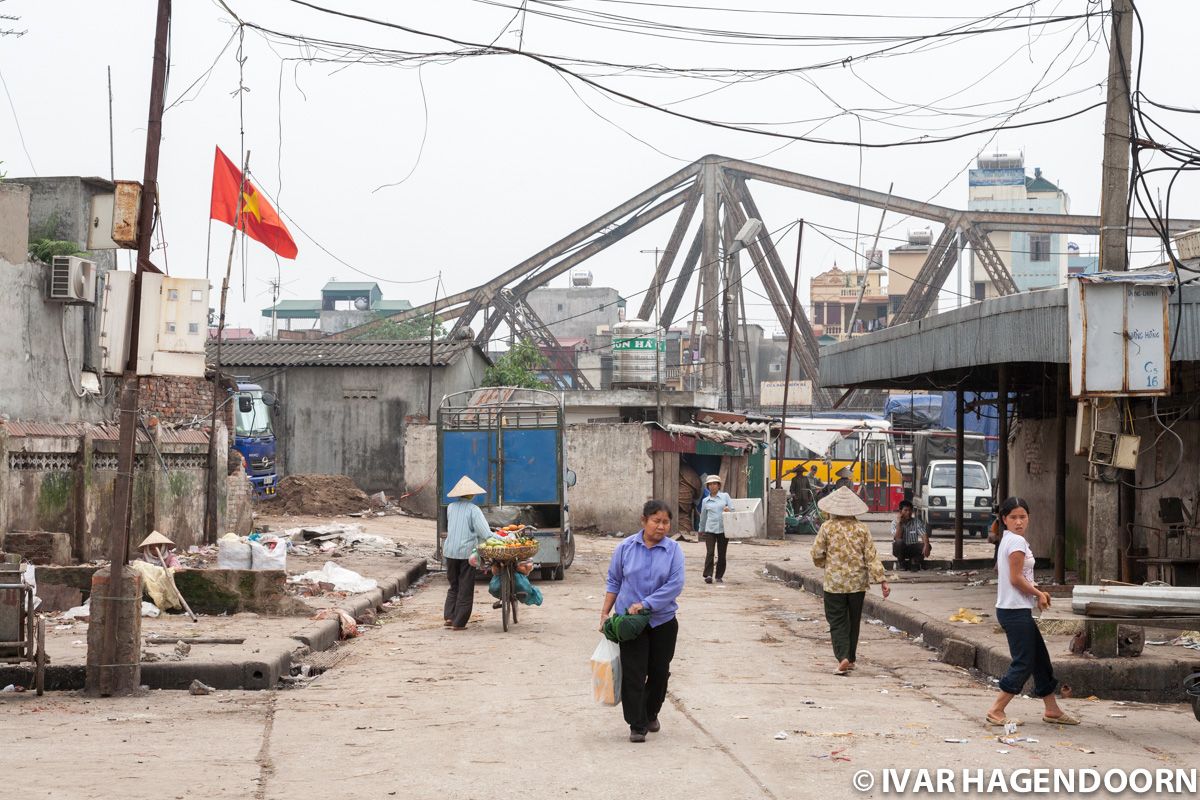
{"x": 712, "y": 527}
{"x": 466, "y": 529}
{"x": 646, "y": 574}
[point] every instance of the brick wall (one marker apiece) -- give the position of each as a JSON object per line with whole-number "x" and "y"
{"x": 179, "y": 399}
{"x": 39, "y": 547}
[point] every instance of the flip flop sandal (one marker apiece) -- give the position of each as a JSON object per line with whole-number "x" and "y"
{"x": 1065, "y": 719}
{"x": 841, "y": 672}
{"x": 1000, "y": 723}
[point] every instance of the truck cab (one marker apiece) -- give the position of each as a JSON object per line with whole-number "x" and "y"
{"x": 934, "y": 497}
{"x": 254, "y": 436}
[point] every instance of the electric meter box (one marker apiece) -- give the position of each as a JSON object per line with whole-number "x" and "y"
{"x": 1119, "y": 334}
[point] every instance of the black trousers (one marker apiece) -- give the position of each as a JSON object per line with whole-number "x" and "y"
{"x": 460, "y": 597}
{"x": 720, "y": 543}
{"x": 645, "y": 668}
{"x": 909, "y": 553}
{"x": 1029, "y": 653}
{"x": 844, "y": 614}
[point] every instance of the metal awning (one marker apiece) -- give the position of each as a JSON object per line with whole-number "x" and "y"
{"x": 961, "y": 349}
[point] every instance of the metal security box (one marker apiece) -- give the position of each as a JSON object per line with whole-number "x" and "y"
{"x": 1119, "y": 334}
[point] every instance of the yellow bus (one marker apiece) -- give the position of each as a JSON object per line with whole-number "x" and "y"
{"x": 831, "y": 444}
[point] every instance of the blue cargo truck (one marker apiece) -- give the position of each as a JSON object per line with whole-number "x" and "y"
{"x": 254, "y": 436}
{"x": 512, "y": 442}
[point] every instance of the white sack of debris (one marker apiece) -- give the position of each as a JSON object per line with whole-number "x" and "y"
{"x": 342, "y": 579}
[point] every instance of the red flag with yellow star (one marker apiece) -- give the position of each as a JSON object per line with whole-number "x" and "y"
{"x": 230, "y": 195}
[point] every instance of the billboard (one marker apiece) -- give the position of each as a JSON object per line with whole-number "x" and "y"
{"x": 1008, "y": 176}
{"x": 771, "y": 393}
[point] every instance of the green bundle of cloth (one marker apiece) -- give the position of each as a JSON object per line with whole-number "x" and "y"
{"x": 626, "y": 627}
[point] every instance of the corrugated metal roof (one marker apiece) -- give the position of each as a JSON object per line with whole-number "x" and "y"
{"x": 1029, "y": 327}
{"x": 103, "y": 432}
{"x": 331, "y": 353}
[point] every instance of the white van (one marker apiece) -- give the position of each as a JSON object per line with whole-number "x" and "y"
{"x": 934, "y": 504}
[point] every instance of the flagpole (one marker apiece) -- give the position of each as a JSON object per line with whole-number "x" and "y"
{"x": 210, "y": 506}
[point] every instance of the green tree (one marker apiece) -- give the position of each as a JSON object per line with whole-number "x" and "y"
{"x": 410, "y": 330}
{"x": 518, "y": 367}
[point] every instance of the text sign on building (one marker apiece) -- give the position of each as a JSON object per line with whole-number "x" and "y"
{"x": 997, "y": 177}
{"x": 1119, "y": 334}
{"x": 771, "y": 393}
{"x": 641, "y": 343}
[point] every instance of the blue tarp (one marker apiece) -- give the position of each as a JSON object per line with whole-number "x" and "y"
{"x": 982, "y": 419}
{"x": 936, "y": 411}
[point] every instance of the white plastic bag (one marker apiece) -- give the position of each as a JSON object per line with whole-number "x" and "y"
{"x": 268, "y": 554}
{"x": 606, "y": 673}
{"x": 233, "y": 553}
{"x": 343, "y": 580}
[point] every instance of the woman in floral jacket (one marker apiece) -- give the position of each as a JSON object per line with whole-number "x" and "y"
{"x": 844, "y": 549}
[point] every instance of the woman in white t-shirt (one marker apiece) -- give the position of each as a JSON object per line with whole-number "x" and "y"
{"x": 1016, "y": 596}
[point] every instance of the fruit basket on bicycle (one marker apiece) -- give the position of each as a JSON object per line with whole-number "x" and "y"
{"x": 516, "y": 551}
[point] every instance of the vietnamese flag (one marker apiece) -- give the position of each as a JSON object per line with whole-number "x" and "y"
{"x": 258, "y": 220}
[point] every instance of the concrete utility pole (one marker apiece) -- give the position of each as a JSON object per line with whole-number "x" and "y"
{"x": 1104, "y": 508}
{"x": 114, "y": 636}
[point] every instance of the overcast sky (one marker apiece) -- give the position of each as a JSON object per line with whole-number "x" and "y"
{"x": 495, "y": 156}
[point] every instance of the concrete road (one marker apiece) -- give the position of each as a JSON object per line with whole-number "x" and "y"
{"x": 417, "y": 711}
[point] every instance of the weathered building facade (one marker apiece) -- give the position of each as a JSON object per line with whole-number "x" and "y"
{"x": 344, "y": 405}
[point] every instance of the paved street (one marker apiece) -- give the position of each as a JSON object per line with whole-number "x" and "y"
{"x": 415, "y": 710}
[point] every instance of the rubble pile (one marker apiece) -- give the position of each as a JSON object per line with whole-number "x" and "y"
{"x": 319, "y": 496}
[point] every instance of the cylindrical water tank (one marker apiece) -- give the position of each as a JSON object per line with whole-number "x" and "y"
{"x": 639, "y": 356}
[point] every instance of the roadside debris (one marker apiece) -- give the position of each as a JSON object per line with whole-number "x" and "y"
{"x": 967, "y": 616}
{"x": 781, "y": 735}
{"x": 347, "y": 627}
{"x": 83, "y": 613}
{"x": 200, "y": 688}
{"x": 335, "y": 578}
{"x": 338, "y": 539}
{"x": 319, "y": 496}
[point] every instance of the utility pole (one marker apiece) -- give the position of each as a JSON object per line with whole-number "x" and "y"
{"x": 1104, "y": 507}
{"x": 787, "y": 370}
{"x": 114, "y": 637}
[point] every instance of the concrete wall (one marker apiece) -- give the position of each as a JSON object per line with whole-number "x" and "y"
{"x": 64, "y": 483}
{"x": 611, "y": 461}
{"x": 37, "y": 383}
{"x": 575, "y": 312}
{"x": 351, "y": 420}
{"x": 420, "y": 470}
{"x": 61, "y": 208}
{"x": 614, "y": 475}
{"x": 1031, "y": 476}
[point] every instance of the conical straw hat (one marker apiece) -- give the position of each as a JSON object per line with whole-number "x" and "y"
{"x": 842, "y": 503}
{"x": 155, "y": 538}
{"x": 466, "y": 487}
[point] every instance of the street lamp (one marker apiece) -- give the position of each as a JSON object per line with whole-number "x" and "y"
{"x": 745, "y": 235}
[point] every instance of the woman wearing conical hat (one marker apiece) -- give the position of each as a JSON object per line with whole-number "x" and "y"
{"x": 466, "y": 529}
{"x": 844, "y": 548}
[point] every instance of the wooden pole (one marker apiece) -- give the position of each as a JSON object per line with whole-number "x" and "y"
{"x": 1103, "y": 560}
{"x": 210, "y": 505}
{"x": 1002, "y": 452}
{"x": 114, "y": 656}
{"x": 1060, "y": 475}
{"x": 787, "y": 370}
{"x": 959, "y": 447}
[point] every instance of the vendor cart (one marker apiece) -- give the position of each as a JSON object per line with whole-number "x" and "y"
{"x": 512, "y": 442}
{"x": 22, "y": 632}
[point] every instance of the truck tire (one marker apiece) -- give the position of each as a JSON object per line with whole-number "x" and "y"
{"x": 559, "y": 572}
{"x": 547, "y": 573}
{"x": 568, "y": 556}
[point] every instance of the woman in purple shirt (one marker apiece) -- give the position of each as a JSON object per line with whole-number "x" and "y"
{"x": 646, "y": 574}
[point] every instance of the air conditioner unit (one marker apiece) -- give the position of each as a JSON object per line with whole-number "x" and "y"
{"x": 1114, "y": 449}
{"x": 72, "y": 280}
